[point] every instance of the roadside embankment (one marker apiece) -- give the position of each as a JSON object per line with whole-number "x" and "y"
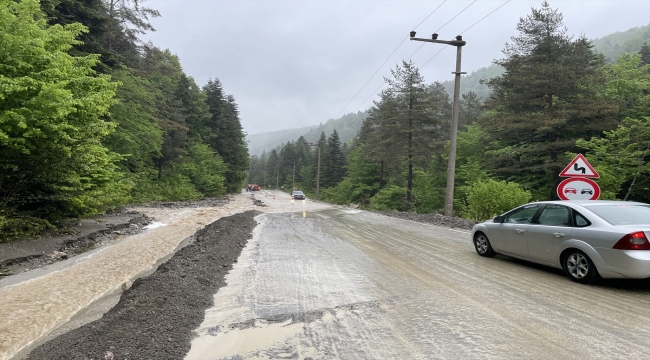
{"x": 154, "y": 319}
{"x": 434, "y": 219}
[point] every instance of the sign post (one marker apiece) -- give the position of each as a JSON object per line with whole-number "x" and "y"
{"x": 579, "y": 185}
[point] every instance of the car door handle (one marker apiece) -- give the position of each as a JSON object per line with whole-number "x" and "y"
{"x": 558, "y": 234}
{"x": 519, "y": 231}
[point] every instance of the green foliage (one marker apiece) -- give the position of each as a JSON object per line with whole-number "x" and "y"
{"x": 622, "y": 158}
{"x": 137, "y": 137}
{"x": 359, "y": 185}
{"x": 428, "y": 191}
{"x": 333, "y": 162}
{"x": 227, "y": 135}
{"x": 550, "y": 96}
{"x": 630, "y": 86}
{"x": 51, "y": 117}
{"x": 391, "y": 197}
{"x": 17, "y": 227}
{"x": 621, "y": 155}
{"x": 489, "y": 198}
{"x": 170, "y": 188}
{"x": 206, "y": 170}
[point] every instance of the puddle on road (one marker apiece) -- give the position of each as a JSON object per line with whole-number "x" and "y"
{"x": 261, "y": 336}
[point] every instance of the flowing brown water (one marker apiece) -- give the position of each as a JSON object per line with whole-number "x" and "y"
{"x": 31, "y": 309}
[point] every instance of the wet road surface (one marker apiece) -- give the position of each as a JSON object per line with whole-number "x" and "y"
{"x": 339, "y": 283}
{"x": 324, "y": 282}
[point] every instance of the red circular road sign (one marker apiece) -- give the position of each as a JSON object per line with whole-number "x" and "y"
{"x": 578, "y": 188}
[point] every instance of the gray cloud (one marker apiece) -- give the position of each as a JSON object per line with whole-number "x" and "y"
{"x": 297, "y": 63}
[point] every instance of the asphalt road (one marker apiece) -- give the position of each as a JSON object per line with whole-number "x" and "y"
{"x": 342, "y": 283}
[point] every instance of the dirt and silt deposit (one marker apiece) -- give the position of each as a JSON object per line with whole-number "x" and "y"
{"x": 155, "y": 317}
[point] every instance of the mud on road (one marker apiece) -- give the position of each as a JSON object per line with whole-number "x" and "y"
{"x": 155, "y": 317}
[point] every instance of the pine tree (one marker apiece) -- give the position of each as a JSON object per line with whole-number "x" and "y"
{"x": 645, "y": 53}
{"x": 470, "y": 109}
{"x": 404, "y": 126}
{"x": 272, "y": 167}
{"x": 334, "y": 165}
{"x": 227, "y": 136}
{"x": 549, "y": 96}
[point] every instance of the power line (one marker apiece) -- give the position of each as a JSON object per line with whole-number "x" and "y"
{"x": 418, "y": 49}
{"x": 368, "y": 98}
{"x": 436, "y": 54}
{"x": 456, "y": 15}
{"x": 434, "y": 10}
{"x": 462, "y": 32}
{"x": 442, "y": 49}
{"x": 385, "y": 61}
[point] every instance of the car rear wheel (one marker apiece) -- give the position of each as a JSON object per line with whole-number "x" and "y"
{"x": 482, "y": 245}
{"x": 579, "y": 267}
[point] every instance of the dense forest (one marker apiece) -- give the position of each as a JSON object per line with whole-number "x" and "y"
{"x": 556, "y": 98}
{"x": 92, "y": 118}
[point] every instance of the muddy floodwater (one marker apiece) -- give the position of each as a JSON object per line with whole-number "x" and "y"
{"x": 317, "y": 281}
{"x": 34, "y": 307}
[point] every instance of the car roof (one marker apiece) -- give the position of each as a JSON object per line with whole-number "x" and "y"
{"x": 588, "y": 203}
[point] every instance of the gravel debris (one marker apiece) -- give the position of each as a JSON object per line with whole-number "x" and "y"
{"x": 207, "y": 202}
{"x": 435, "y": 219}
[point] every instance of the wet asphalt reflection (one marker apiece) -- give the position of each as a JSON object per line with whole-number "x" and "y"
{"x": 324, "y": 282}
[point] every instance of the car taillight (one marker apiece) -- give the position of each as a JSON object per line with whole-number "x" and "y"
{"x": 633, "y": 241}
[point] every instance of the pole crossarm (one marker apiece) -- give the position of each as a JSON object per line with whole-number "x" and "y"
{"x": 446, "y": 42}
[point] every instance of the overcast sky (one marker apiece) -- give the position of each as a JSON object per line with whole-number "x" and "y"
{"x": 297, "y": 63}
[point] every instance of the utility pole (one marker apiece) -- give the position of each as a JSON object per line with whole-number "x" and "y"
{"x": 451, "y": 166}
{"x": 317, "y": 170}
{"x": 277, "y": 178}
{"x": 293, "y": 177}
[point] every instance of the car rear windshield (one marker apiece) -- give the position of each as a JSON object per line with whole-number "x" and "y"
{"x": 623, "y": 214}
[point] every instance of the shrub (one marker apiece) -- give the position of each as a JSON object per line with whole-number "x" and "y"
{"x": 489, "y": 198}
{"x": 391, "y": 197}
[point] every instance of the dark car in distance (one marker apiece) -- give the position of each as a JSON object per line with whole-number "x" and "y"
{"x": 297, "y": 195}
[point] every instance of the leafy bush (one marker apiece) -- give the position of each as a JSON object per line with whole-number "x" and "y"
{"x": 17, "y": 228}
{"x": 206, "y": 170}
{"x": 391, "y": 197}
{"x": 171, "y": 188}
{"x": 489, "y": 198}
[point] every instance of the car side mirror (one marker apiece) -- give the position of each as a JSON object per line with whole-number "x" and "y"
{"x": 498, "y": 219}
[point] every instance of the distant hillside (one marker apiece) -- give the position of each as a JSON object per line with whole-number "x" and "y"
{"x": 471, "y": 82}
{"x": 257, "y": 143}
{"x": 614, "y": 45}
{"x": 347, "y": 126}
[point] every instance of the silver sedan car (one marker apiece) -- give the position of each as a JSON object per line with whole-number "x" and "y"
{"x": 588, "y": 239}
